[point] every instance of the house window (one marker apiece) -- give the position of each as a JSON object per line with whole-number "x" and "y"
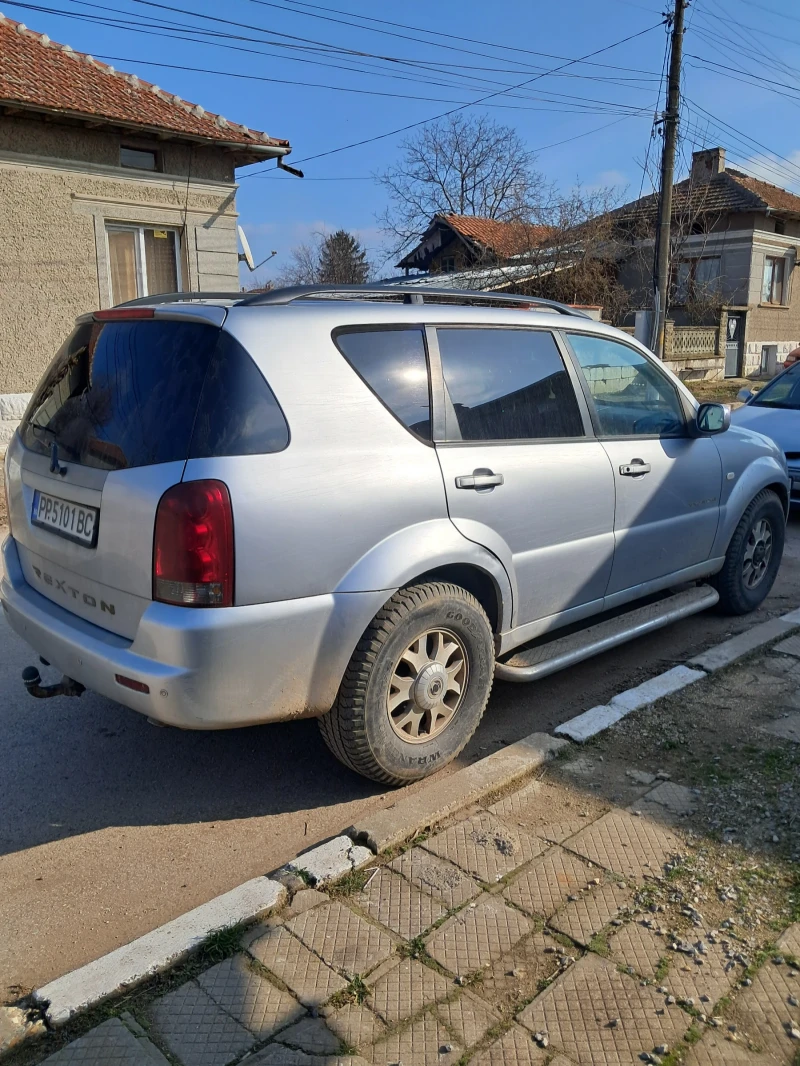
{"x": 697, "y": 279}
{"x": 448, "y": 264}
{"x": 138, "y": 158}
{"x": 142, "y": 261}
{"x": 773, "y": 285}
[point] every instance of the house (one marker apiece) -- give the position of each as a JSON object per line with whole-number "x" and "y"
{"x": 467, "y": 244}
{"x": 110, "y": 188}
{"x": 734, "y": 251}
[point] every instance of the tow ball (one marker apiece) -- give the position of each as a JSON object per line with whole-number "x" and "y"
{"x": 32, "y": 680}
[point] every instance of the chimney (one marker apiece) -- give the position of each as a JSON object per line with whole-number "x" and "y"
{"x": 707, "y": 164}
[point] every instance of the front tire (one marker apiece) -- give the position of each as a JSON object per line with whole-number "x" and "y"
{"x": 753, "y": 557}
{"x": 416, "y": 686}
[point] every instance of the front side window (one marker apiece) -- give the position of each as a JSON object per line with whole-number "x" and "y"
{"x": 143, "y": 261}
{"x": 631, "y": 396}
{"x": 773, "y": 286}
{"x": 506, "y": 384}
{"x": 393, "y": 364}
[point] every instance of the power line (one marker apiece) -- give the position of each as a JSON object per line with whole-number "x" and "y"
{"x": 456, "y": 37}
{"x": 272, "y": 173}
{"x": 162, "y": 24}
{"x": 462, "y": 107}
{"x": 628, "y": 110}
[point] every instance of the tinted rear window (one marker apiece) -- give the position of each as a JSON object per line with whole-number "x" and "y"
{"x": 126, "y": 394}
{"x": 393, "y": 363}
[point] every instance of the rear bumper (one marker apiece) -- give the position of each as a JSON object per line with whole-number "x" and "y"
{"x": 205, "y": 668}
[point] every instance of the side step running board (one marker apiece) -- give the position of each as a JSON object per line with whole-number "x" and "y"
{"x": 529, "y": 664}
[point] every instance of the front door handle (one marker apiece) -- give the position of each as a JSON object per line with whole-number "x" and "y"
{"x": 635, "y": 468}
{"x": 482, "y": 480}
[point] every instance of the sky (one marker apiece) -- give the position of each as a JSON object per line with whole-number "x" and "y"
{"x": 328, "y": 75}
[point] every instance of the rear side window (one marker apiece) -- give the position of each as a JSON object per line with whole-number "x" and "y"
{"x": 506, "y": 384}
{"x": 393, "y": 363}
{"x": 238, "y": 413}
{"x": 126, "y": 394}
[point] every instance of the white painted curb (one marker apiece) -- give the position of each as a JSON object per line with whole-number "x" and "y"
{"x": 595, "y": 720}
{"x": 153, "y": 952}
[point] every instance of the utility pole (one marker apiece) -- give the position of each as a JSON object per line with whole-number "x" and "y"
{"x": 671, "y": 116}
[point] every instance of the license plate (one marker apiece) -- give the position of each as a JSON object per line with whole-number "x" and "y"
{"x": 67, "y": 519}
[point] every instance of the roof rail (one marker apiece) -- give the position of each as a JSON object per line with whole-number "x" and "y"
{"x": 176, "y": 297}
{"x": 410, "y": 293}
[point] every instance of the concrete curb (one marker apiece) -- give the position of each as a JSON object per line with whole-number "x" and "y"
{"x": 61, "y": 999}
{"x": 594, "y": 721}
{"x": 436, "y": 800}
{"x": 149, "y": 954}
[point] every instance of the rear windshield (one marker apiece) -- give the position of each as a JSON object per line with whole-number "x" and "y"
{"x": 126, "y": 394}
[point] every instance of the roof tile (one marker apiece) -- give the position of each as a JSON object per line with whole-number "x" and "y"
{"x": 505, "y": 239}
{"x": 40, "y": 74}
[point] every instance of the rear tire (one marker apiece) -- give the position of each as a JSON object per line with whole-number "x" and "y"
{"x": 753, "y": 557}
{"x": 416, "y": 686}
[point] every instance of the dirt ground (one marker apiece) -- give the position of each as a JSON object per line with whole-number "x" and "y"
{"x": 724, "y": 391}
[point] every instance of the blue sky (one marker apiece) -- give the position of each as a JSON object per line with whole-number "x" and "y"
{"x": 737, "y": 53}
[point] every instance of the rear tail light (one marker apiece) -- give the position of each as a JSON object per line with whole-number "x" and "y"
{"x": 193, "y": 550}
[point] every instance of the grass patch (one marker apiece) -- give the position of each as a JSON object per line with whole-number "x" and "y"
{"x": 304, "y": 876}
{"x": 356, "y": 992}
{"x": 662, "y": 969}
{"x": 413, "y": 949}
{"x": 693, "y": 1034}
{"x": 219, "y": 946}
{"x": 352, "y": 882}
{"x": 599, "y": 945}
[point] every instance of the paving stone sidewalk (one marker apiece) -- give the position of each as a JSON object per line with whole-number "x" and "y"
{"x": 510, "y": 936}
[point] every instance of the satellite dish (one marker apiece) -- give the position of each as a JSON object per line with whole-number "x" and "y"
{"x": 245, "y": 256}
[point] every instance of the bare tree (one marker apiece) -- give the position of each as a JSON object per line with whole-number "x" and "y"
{"x": 330, "y": 259}
{"x": 303, "y": 266}
{"x": 464, "y": 165}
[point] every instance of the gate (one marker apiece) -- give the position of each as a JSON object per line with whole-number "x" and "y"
{"x": 733, "y": 345}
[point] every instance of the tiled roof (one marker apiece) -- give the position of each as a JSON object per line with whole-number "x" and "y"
{"x": 505, "y": 239}
{"x": 728, "y": 191}
{"x": 37, "y": 73}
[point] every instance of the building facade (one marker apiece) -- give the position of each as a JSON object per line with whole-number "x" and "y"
{"x": 110, "y": 189}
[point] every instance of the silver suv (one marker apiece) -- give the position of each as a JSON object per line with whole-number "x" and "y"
{"x": 359, "y": 506}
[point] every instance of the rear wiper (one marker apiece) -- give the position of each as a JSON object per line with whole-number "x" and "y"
{"x": 45, "y": 429}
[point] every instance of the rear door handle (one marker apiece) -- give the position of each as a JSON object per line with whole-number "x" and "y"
{"x": 635, "y": 468}
{"x": 481, "y": 480}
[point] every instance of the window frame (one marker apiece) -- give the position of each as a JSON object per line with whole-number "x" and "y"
{"x": 648, "y": 357}
{"x": 393, "y": 327}
{"x": 154, "y": 152}
{"x": 769, "y": 301}
{"x": 139, "y": 228}
{"x": 448, "y": 269}
{"x": 442, "y": 402}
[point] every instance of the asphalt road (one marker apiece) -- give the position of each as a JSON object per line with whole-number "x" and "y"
{"x": 110, "y": 826}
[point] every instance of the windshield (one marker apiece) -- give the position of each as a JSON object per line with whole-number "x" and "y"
{"x": 784, "y": 391}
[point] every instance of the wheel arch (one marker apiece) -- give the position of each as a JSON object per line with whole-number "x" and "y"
{"x": 764, "y": 473}
{"x": 480, "y": 583}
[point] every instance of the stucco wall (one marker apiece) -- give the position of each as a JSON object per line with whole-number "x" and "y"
{"x": 53, "y": 213}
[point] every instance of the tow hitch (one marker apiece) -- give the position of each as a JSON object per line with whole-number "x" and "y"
{"x": 32, "y": 680}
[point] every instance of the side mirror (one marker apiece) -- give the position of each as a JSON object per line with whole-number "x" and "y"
{"x": 743, "y": 395}
{"x": 712, "y": 418}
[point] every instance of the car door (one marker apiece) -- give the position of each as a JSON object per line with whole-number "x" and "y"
{"x": 523, "y": 473}
{"x": 668, "y": 483}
